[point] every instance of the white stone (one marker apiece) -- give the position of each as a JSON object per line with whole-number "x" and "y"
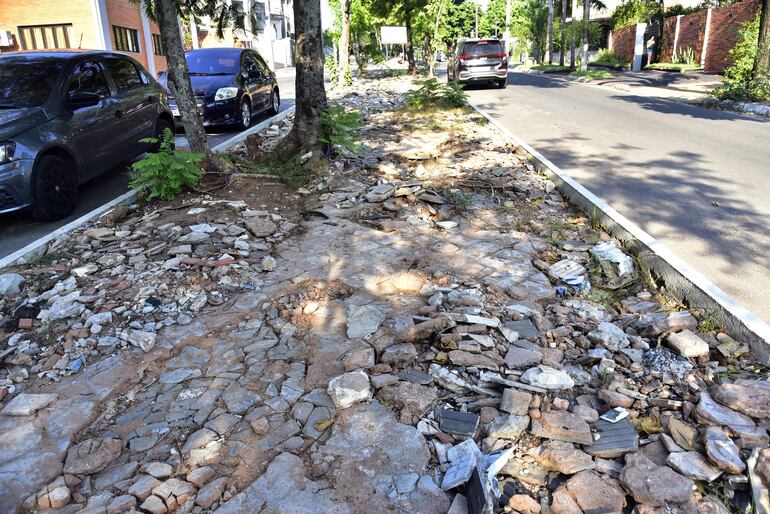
{"x": 26, "y": 404}
{"x": 348, "y": 389}
{"x": 687, "y": 344}
{"x": 10, "y": 284}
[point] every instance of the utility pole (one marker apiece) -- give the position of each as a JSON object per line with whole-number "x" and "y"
{"x": 563, "y": 32}
{"x": 586, "y": 24}
{"x": 762, "y": 62}
{"x": 476, "y": 33}
{"x": 549, "y": 34}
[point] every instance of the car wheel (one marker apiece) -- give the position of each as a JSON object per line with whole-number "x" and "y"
{"x": 245, "y": 113}
{"x": 275, "y": 102}
{"x": 160, "y": 127}
{"x": 55, "y": 188}
{"x": 502, "y": 83}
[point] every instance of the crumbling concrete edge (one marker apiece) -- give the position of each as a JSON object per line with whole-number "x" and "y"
{"x": 21, "y": 255}
{"x": 679, "y": 278}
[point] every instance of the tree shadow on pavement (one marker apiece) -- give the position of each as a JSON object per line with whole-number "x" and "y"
{"x": 666, "y": 106}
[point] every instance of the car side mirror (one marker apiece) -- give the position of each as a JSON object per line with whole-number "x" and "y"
{"x": 82, "y": 99}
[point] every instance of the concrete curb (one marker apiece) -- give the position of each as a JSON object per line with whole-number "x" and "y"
{"x": 756, "y": 109}
{"x": 22, "y": 255}
{"x": 679, "y": 278}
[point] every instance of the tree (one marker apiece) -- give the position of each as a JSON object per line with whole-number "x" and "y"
{"x": 762, "y": 63}
{"x": 166, "y": 14}
{"x": 492, "y": 22}
{"x": 563, "y": 48}
{"x": 344, "y": 46}
{"x": 459, "y": 21}
{"x": 404, "y": 11}
{"x": 309, "y": 82}
{"x": 586, "y": 28}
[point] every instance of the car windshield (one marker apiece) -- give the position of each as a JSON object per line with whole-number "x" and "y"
{"x": 482, "y": 47}
{"x": 212, "y": 64}
{"x": 27, "y": 82}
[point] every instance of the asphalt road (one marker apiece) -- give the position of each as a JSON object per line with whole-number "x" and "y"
{"x": 696, "y": 179}
{"x": 19, "y": 229}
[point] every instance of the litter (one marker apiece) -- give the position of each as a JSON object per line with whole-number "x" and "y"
{"x": 571, "y": 273}
{"x": 459, "y": 423}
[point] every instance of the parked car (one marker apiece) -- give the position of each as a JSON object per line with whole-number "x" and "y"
{"x": 231, "y": 85}
{"x": 66, "y": 117}
{"x": 478, "y": 60}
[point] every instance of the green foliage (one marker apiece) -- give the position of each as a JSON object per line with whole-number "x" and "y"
{"x": 687, "y": 57}
{"x": 739, "y": 82}
{"x": 678, "y": 10}
{"x": 459, "y": 21}
{"x": 432, "y": 93}
{"x": 550, "y": 68}
{"x": 635, "y": 11}
{"x": 332, "y": 71}
{"x": 593, "y": 74}
{"x": 339, "y": 128}
{"x": 672, "y": 66}
{"x": 608, "y": 58}
{"x": 166, "y": 172}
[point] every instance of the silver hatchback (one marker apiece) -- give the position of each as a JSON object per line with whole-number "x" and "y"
{"x": 478, "y": 60}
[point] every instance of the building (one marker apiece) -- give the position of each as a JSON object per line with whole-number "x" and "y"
{"x": 269, "y": 29}
{"x": 116, "y": 25}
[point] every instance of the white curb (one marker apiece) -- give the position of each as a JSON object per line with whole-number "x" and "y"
{"x": 681, "y": 279}
{"x": 19, "y": 256}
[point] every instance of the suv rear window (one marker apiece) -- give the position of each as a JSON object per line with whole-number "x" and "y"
{"x": 482, "y": 47}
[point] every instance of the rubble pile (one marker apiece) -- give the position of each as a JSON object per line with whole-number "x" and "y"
{"x": 440, "y": 332}
{"x": 116, "y": 284}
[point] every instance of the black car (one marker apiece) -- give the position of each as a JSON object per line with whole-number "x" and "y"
{"x": 478, "y": 60}
{"x": 231, "y": 85}
{"x": 66, "y": 117}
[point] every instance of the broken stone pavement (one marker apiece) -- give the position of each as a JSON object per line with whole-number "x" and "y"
{"x": 163, "y": 367}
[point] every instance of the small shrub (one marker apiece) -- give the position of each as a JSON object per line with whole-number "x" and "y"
{"x": 633, "y": 12}
{"x": 739, "y": 83}
{"x": 432, "y": 93}
{"x": 340, "y": 128}
{"x": 166, "y": 172}
{"x": 609, "y": 58}
{"x": 687, "y": 57}
{"x": 333, "y": 72}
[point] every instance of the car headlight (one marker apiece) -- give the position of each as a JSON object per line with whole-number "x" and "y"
{"x": 6, "y": 151}
{"x": 224, "y": 93}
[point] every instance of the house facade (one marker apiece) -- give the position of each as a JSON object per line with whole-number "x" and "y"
{"x": 116, "y": 25}
{"x": 271, "y": 33}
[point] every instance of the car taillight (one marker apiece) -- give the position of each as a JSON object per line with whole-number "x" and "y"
{"x": 499, "y": 55}
{"x": 465, "y": 57}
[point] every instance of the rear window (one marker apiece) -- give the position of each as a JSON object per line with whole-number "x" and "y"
{"x": 213, "y": 64}
{"x": 482, "y": 47}
{"x": 27, "y": 82}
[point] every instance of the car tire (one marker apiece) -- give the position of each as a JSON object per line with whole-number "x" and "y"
{"x": 245, "y": 113}
{"x": 160, "y": 127}
{"x": 502, "y": 84}
{"x": 275, "y": 102}
{"x": 54, "y": 188}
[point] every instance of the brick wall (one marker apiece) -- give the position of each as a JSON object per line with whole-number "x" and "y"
{"x": 14, "y": 13}
{"x": 667, "y": 43}
{"x": 125, "y": 14}
{"x": 623, "y": 42}
{"x": 725, "y": 23}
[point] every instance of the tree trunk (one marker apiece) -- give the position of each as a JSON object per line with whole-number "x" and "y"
{"x": 586, "y": 34}
{"x": 762, "y": 62}
{"x": 572, "y": 34}
{"x": 563, "y": 48}
{"x": 179, "y": 75}
{"x": 344, "y": 67}
{"x": 549, "y": 34}
{"x": 409, "y": 47}
{"x": 309, "y": 83}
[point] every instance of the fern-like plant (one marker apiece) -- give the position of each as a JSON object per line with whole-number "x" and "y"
{"x": 432, "y": 93}
{"x": 166, "y": 172}
{"x": 339, "y": 128}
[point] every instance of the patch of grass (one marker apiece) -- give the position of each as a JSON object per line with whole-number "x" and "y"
{"x": 457, "y": 198}
{"x": 708, "y": 323}
{"x": 605, "y": 297}
{"x": 593, "y": 74}
{"x": 595, "y": 220}
{"x": 550, "y": 68}
{"x": 673, "y": 66}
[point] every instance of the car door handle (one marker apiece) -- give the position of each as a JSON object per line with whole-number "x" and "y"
{"x": 118, "y": 114}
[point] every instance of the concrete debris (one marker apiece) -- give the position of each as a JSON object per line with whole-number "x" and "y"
{"x": 415, "y": 320}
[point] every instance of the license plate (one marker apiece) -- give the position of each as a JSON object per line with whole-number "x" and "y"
{"x": 174, "y": 111}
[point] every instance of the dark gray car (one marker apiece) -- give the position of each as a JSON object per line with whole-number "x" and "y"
{"x": 478, "y": 60}
{"x": 66, "y": 117}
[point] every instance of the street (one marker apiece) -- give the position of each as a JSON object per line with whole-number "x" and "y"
{"x": 19, "y": 229}
{"x": 696, "y": 179}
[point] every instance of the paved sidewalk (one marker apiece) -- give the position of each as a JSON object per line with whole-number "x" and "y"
{"x": 663, "y": 84}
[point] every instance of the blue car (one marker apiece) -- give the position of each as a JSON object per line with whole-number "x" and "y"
{"x": 66, "y": 117}
{"x": 231, "y": 86}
